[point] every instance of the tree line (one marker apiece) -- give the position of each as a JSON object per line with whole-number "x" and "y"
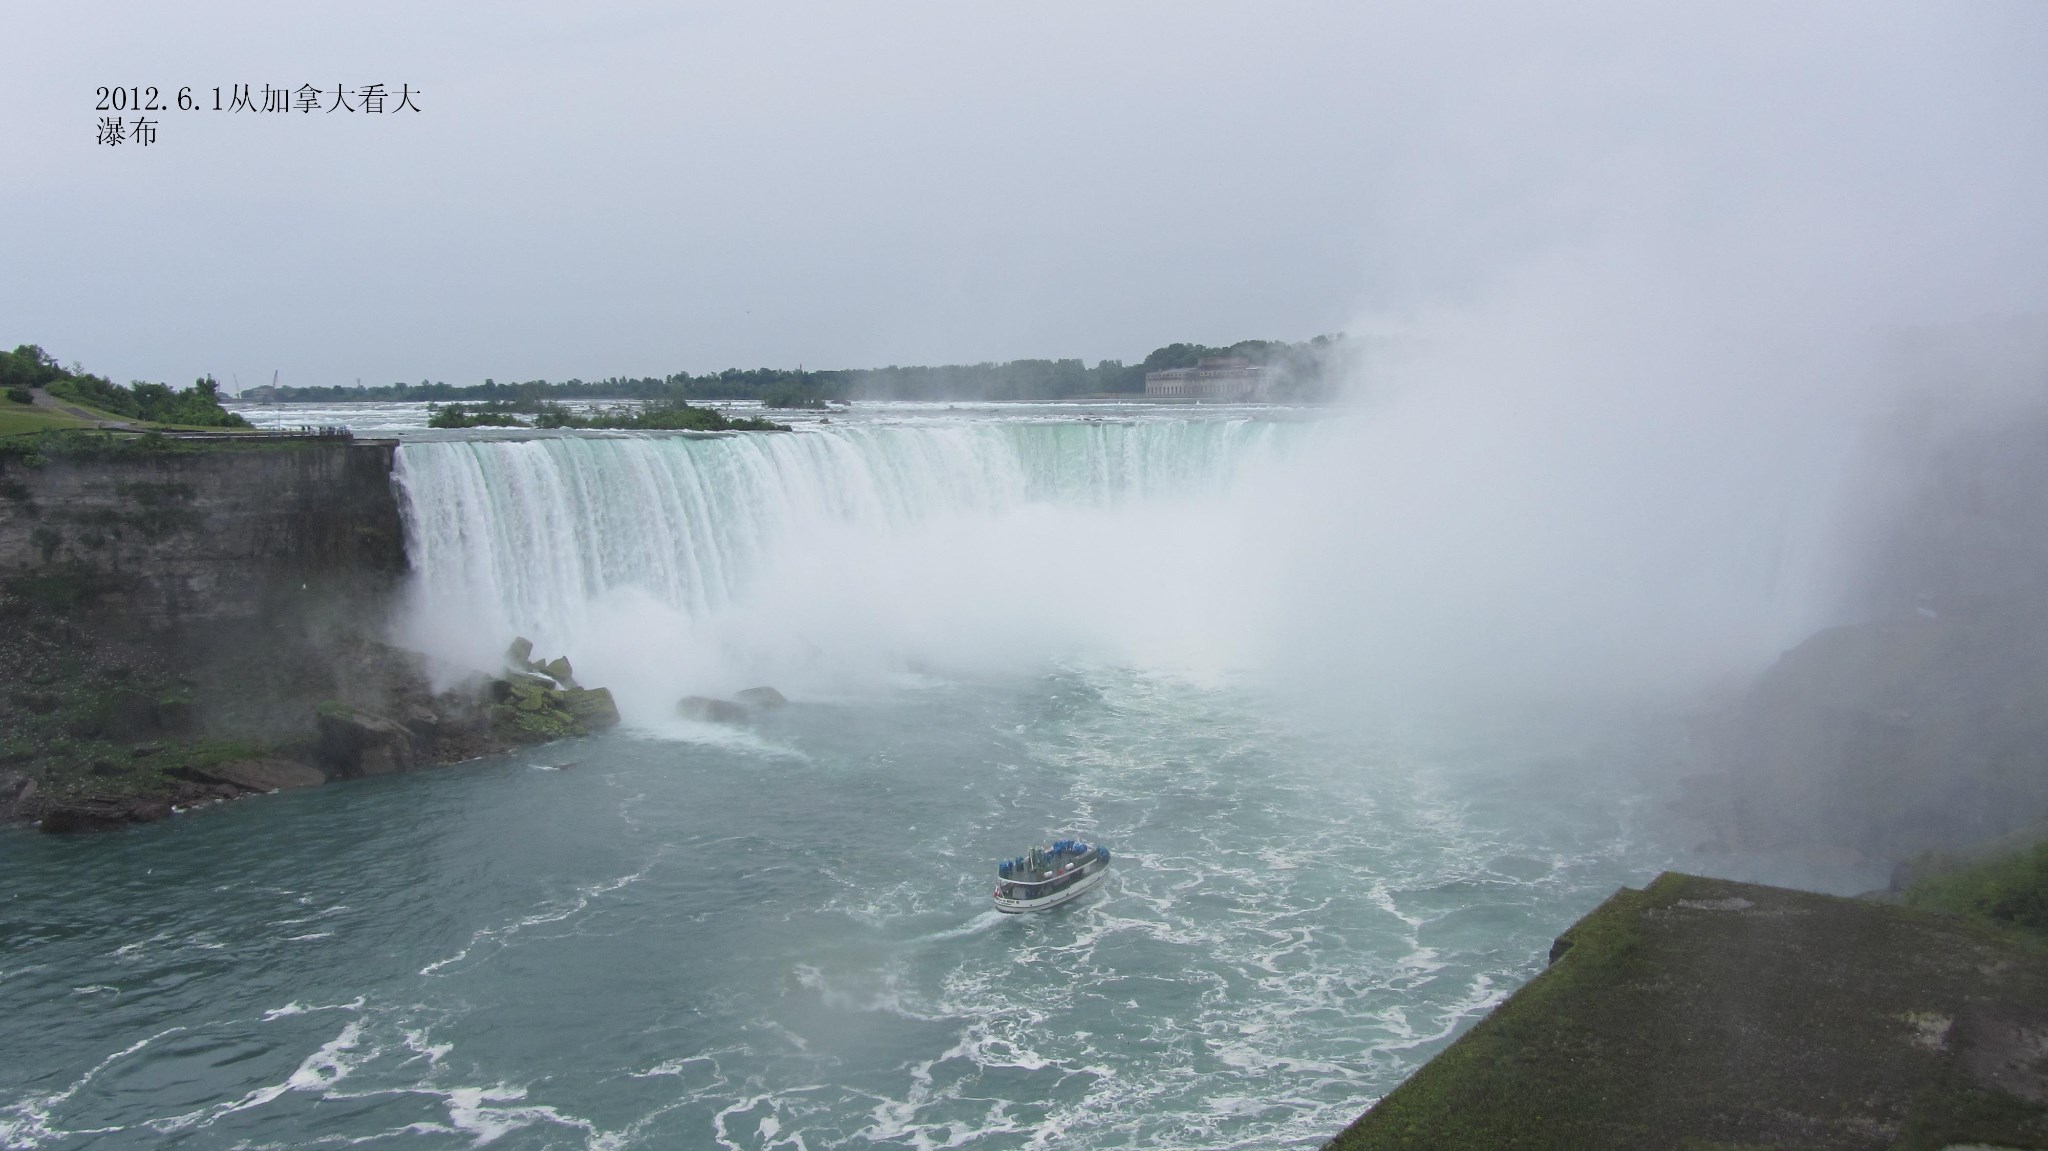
{"x": 29, "y": 366}
{"x": 1305, "y": 371}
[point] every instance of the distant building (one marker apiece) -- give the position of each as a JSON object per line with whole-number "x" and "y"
{"x": 1215, "y": 378}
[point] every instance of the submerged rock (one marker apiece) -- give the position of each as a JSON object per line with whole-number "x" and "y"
{"x": 706, "y": 710}
{"x": 762, "y": 697}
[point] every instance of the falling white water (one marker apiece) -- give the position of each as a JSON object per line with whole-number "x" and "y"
{"x": 667, "y": 564}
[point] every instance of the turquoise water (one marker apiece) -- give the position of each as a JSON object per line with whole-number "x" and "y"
{"x": 996, "y": 628}
{"x": 786, "y": 941}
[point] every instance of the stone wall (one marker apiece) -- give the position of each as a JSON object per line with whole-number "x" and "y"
{"x": 204, "y": 533}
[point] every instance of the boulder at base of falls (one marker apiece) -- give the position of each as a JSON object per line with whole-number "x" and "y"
{"x": 268, "y": 774}
{"x": 558, "y": 669}
{"x": 102, "y": 813}
{"x": 16, "y": 790}
{"x": 520, "y": 654}
{"x": 761, "y": 697}
{"x": 592, "y": 706}
{"x": 357, "y": 743}
{"x": 706, "y": 710}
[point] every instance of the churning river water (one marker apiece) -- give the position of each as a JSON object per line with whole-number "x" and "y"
{"x": 778, "y": 935}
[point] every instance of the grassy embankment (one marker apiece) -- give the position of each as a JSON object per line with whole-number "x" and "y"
{"x": 74, "y": 398}
{"x": 18, "y": 419}
{"x": 1715, "y": 1016}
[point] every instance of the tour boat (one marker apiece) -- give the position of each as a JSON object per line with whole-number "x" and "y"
{"x": 1049, "y": 876}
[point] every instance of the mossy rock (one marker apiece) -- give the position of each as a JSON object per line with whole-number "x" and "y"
{"x": 592, "y": 707}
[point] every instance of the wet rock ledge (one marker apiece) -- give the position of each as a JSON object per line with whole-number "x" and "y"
{"x": 184, "y": 622}
{"x": 1702, "y": 1013}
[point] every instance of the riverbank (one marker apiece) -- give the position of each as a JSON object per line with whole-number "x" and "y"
{"x": 195, "y": 619}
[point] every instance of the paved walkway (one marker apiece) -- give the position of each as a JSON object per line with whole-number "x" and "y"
{"x": 46, "y": 400}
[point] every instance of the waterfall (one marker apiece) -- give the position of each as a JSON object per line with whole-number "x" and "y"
{"x": 697, "y": 558}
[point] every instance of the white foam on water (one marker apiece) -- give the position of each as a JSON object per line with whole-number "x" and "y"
{"x": 297, "y": 1008}
{"x": 986, "y": 921}
{"x": 417, "y": 1041}
{"x": 129, "y": 950}
{"x": 501, "y": 934}
{"x": 481, "y": 1113}
{"x": 27, "y": 1124}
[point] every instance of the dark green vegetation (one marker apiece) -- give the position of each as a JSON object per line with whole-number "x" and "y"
{"x": 1716, "y": 1016}
{"x": 86, "y": 445}
{"x": 2008, "y": 891}
{"x": 659, "y": 415}
{"x": 656, "y": 415}
{"x": 1306, "y": 371}
{"x": 28, "y": 366}
{"x": 793, "y": 395}
{"x": 485, "y": 416}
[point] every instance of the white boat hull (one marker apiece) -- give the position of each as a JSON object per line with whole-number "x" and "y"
{"x": 1065, "y": 894}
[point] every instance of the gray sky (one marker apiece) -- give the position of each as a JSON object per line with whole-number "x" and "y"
{"x": 638, "y": 188}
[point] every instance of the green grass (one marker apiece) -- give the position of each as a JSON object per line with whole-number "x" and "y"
{"x": 18, "y": 420}
{"x": 1705, "y": 1014}
{"x": 21, "y": 419}
{"x": 2009, "y": 892}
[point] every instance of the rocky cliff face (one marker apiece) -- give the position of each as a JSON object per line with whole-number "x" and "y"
{"x": 182, "y": 622}
{"x": 176, "y": 537}
{"x": 1925, "y": 725}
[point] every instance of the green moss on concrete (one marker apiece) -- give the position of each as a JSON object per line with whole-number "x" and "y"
{"x": 1705, "y": 1014}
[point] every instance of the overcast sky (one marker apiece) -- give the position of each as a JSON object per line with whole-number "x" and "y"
{"x": 637, "y": 188}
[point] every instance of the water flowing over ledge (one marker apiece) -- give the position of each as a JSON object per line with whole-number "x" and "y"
{"x": 532, "y": 536}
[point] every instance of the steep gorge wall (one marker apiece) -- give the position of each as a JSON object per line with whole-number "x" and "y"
{"x": 192, "y": 536}
{"x": 188, "y": 621}
{"x": 1924, "y": 726}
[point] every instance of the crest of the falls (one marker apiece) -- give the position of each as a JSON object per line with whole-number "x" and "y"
{"x": 669, "y": 564}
